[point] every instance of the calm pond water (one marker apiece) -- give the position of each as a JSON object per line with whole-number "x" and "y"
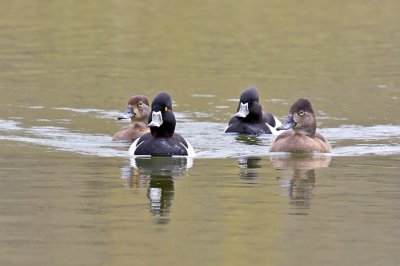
{"x": 70, "y": 196}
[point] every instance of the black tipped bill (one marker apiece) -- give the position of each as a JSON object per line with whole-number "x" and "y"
{"x": 288, "y": 124}
{"x": 156, "y": 119}
{"x": 127, "y": 114}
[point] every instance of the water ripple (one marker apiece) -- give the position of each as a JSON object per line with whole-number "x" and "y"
{"x": 207, "y": 138}
{"x": 61, "y": 139}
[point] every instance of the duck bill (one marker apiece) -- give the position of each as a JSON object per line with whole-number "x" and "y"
{"x": 127, "y": 114}
{"x": 156, "y": 119}
{"x": 288, "y": 124}
{"x": 243, "y": 110}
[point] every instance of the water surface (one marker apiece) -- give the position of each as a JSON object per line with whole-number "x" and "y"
{"x": 71, "y": 196}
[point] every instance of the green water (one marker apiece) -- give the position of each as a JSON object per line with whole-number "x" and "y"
{"x": 69, "y": 196}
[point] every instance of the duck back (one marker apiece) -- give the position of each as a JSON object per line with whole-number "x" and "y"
{"x": 243, "y": 127}
{"x": 251, "y": 126}
{"x": 161, "y": 146}
{"x": 295, "y": 142}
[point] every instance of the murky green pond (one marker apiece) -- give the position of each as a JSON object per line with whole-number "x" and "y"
{"x": 71, "y": 196}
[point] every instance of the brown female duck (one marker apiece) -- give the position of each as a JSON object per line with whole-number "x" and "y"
{"x": 302, "y": 136}
{"x": 138, "y": 111}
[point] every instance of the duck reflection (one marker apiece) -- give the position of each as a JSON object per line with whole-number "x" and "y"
{"x": 298, "y": 177}
{"x": 157, "y": 174}
{"x": 248, "y": 139}
{"x": 249, "y": 167}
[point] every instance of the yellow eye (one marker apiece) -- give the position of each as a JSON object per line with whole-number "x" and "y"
{"x": 301, "y": 112}
{"x": 166, "y": 109}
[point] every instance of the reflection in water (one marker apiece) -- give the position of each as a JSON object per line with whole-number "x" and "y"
{"x": 300, "y": 185}
{"x": 157, "y": 174}
{"x": 298, "y": 176}
{"x": 248, "y": 139}
{"x": 248, "y": 167}
{"x": 160, "y": 194}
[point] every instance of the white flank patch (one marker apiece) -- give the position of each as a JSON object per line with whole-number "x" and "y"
{"x": 133, "y": 147}
{"x": 189, "y": 149}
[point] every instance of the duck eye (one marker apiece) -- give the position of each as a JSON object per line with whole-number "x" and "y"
{"x": 301, "y": 112}
{"x": 140, "y": 104}
{"x": 166, "y": 109}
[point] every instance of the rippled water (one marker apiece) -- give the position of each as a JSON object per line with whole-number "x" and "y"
{"x": 71, "y": 196}
{"x": 346, "y": 139}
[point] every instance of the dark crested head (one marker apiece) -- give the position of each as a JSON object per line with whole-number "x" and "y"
{"x": 249, "y": 108}
{"x": 249, "y": 95}
{"x": 161, "y": 102}
{"x": 162, "y": 120}
{"x": 301, "y": 104}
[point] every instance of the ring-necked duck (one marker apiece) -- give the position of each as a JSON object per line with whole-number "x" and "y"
{"x": 250, "y": 119}
{"x": 303, "y": 136}
{"x": 138, "y": 111}
{"x": 161, "y": 140}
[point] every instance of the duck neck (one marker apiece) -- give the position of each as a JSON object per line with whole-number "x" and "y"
{"x": 139, "y": 124}
{"x": 167, "y": 128}
{"x": 308, "y": 131}
{"x": 255, "y": 112}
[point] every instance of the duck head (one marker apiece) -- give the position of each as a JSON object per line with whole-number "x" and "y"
{"x": 162, "y": 120}
{"x": 249, "y": 106}
{"x": 301, "y": 118}
{"x": 137, "y": 109}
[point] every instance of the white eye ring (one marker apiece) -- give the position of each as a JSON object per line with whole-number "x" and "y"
{"x": 301, "y": 112}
